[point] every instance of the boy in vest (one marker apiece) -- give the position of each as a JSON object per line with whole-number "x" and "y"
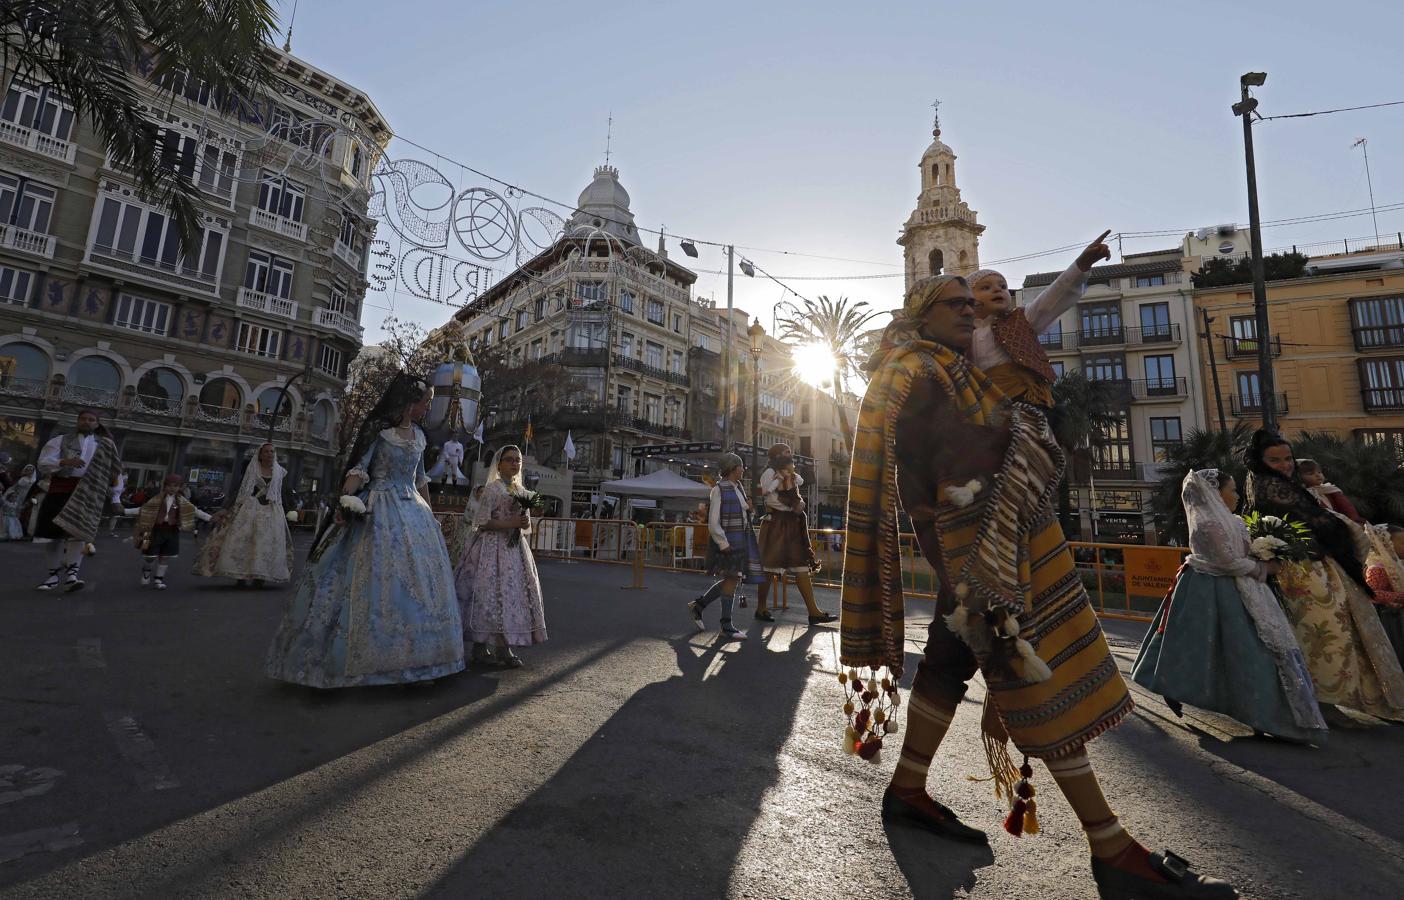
{"x": 1005, "y": 344}
{"x": 160, "y": 521}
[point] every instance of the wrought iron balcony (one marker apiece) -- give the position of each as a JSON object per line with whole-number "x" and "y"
{"x": 262, "y": 218}
{"x": 1382, "y": 399}
{"x": 1063, "y": 341}
{"x": 267, "y": 303}
{"x": 1114, "y": 469}
{"x": 1159, "y": 388}
{"x": 16, "y": 238}
{"x": 638, "y": 365}
{"x": 37, "y": 142}
{"x": 177, "y": 273}
{"x": 1244, "y": 404}
{"x": 578, "y": 357}
{"x": 1101, "y": 337}
{"x": 337, "y": 321}
{"x": 1153, "y": 334}
{"x": 1240, "y": 348}
{"x": 23, "y": 387}
{"x": 1378, "y": 337}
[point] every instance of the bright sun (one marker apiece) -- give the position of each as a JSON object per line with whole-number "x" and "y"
{"x": 814, "y": 364}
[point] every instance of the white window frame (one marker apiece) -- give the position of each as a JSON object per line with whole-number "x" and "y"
{"x": 259, "y": 340}
{"x": 139, "y": 216}
{"x": 39, "y": 197}
{"x": 269, "y": 274}
{"x": 281, "y": 197}
{"x": 142, "y": 314}
{"x": 42, "y": 98}
{"x": 329, "y": 360}
{"x": 340, "y": 299}
{"x": 649, "y": 306}
{"x": 649, "y": 357}
{"x": 15, "y": 285}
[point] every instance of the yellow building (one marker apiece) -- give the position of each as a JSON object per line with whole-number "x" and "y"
{"x": 1337, "y": 343}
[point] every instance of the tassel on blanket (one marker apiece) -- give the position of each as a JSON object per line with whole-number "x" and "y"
{"x": 1023, "y": 812}
{"x": 870, "y": 705}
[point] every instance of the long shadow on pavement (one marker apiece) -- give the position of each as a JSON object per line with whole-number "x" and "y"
{"x": 659, "y": 802}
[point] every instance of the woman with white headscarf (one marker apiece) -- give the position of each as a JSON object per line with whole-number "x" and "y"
{"x": 11, "y": 502}
{"x": 254, "y": 544}
{"x": 499, "y": 593}
{"x": 1221, "y": 641}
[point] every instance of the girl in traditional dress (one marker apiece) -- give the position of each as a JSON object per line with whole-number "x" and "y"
{"x": 254, "y": 544}
{"x": 376, "y": 606}
{"x": 10, "y": 504}
{"x": 732, "y": 554}
{"x": 1221, "y": 640}
{"x": 1384, "y": 573}
{"x": 1350, "y": 659}
{"x": 1326, "y": 493}
{"x": 499, "y": 593}
{"x": 784, "y": 535}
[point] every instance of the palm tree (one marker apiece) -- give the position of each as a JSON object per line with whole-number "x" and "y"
{"x": 1369, "y": 474}
{"x": 90, "y": 51}
{"x": 841, "y": 327}
{"x": 1085, "y": 410}
{"x": 1200, "y": 449}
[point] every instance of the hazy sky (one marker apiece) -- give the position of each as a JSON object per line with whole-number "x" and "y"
{"x": 798, "y": 126}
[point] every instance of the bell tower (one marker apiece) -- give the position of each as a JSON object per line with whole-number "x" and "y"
{"x": 942, "y": 235}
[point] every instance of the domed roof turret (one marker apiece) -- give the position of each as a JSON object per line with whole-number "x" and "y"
{"x": 604, "y": 204}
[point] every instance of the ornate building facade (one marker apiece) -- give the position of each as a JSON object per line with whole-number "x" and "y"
{"x": 187, "y": 358}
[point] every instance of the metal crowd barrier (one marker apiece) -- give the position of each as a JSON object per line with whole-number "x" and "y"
{"x": 682, "y": 547}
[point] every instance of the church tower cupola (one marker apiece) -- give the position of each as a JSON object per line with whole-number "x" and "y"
{"x": 942, "y": 235}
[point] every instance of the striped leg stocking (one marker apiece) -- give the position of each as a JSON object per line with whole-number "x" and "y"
{"x": 1108, "y": 839}
{"x": 927, "y": 724}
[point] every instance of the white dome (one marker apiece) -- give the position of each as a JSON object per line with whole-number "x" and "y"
{"x": 604, "y": 204}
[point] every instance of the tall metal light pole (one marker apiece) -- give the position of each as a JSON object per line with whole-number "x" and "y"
{"x": 1363, "y": 144}
{"x": 757, "y": 335}
{"x": 726, "y": 356}
{"x": 1244, "y": 109}
{"x": 1214, "y": 368}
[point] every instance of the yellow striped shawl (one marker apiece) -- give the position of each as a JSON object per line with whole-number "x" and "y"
{"x": 1007, "y": 548}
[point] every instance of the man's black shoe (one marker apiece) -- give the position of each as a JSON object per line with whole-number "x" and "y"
{"x": 894, "y": 808}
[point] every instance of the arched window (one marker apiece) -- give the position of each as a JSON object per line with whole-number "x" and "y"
{"x": 936, "y": 262}
{"x": 220, "y": 398}
{"x": 268, "y": 402}
{"x": 321, "y": 418}
{"x": 24, "y": 369}
{"x": 950, "y": 175}
{"x": 936, "y": 174}
{"x": 95, "y": 380}
{"x": 161, "y": 389}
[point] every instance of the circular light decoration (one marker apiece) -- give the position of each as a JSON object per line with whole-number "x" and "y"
{"x": 483, "y": 223}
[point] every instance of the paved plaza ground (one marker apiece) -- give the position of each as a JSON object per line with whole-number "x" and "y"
{"x": 144, "y": 753}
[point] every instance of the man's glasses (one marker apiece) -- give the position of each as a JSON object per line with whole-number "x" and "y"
{"x": 958, "y": 304}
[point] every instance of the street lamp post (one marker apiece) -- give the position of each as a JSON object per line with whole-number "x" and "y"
{"x": 757, "y": 335}
{"x": 283, "y": 395}
{"x": 1268, "y": 394}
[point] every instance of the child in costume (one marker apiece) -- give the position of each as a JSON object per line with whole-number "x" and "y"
{"x": 160, "y": 521}
{"x": 1330, "y": 496}
{"x": 1384, "y": 573}
{"x": 732, "y": 552}
{"x": 1005, "y": 344}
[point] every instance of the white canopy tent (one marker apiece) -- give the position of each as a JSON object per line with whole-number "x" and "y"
{"x": 663, "y": 485}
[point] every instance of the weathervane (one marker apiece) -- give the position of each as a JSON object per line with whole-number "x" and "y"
{"x": 936, "y": 125}
{"x": 609, "y": 136}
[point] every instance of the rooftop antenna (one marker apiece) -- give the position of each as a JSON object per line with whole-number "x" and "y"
{"x": 1362, "y": 144}
{"x": 287, "y": 44}
{"x": 609, "y": 136}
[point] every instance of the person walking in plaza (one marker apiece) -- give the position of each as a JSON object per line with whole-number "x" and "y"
{"x": 977, "y": 476}
{"x": 784, "y": 536}
{"x": 12, "y": 502}
{"x": 376, "y": 605}
{"x": 1005, "y": 344}
{"x": 1221, "y": 641}
{"x": 1384, "y": 574}
{"x": 160, "y": 521}
{"x": 81, "y": 470}
{"x": 1347, "y": 651}
{"x": 732, "y": 553}
{"x": 254, "y": 543}
{"x": 499, "y": 592}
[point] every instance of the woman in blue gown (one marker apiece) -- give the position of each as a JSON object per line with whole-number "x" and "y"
{"x": 1221, "y": 641}
{"x": 377, "y": 604}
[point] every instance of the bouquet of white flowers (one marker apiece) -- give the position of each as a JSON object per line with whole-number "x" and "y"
{"x": 352, "y": 508}
{"x": 531, "y": 503}
{"x": 1275, "y": 538}
{"x": 292, "y": 517}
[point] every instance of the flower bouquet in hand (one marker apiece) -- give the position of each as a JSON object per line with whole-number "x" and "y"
{"x": 351, "y": 508}
{"x": 1277, "y": 539}
{"x": 532, "y": 503}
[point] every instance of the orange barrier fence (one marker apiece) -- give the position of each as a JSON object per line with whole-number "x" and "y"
{"x": 1124, "y": 581}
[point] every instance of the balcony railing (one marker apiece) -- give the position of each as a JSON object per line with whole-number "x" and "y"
{"x": 1113, "y": 469}
{"x": 1239, "y": 348}
{"x": 337, "y": 321}
{"x": 24, "y": 241}
{"x": 1244, "y": 404}
{"x": 638, "y": 365}
{"x": 36, "y": 142}
{"x": 578, "y": 357}
{"x": 1157, "y": 388}
{"x": 347, "y": 255}
{"x": 277, "y": 224}
{"x": 1377, "y": 399}
{"x": 1153, "y": 334}
{"x": 1101, "y": 337}
{"x": 1060, "y": 341}
{"x": 1119, "y": 389}
{"x": 24, "y": 387}
{"x": 175, "y": 273}
{"x": 218, "y": 415}
{"x": 267, "y": 303}
{"x": 77, "y": 393}
{"x": 1377, "y": 337}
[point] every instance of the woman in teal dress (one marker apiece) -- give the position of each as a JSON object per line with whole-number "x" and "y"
{"x": 1221, "y": 640}
{"x": 377, "y": 604}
